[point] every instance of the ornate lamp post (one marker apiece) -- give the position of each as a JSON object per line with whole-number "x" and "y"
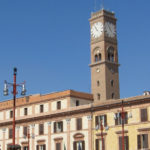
{"x": 14, "y": 85}
{"x": 102, "y": 134}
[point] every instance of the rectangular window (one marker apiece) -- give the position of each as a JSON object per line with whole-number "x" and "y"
{"x": 11, "y": 114}
{"x": 98, "y": 144}
{"x": 58, "y": 127}
{"x": 25, "y": 148}
{"x": 41, "y": 147}
{"x": 118, "y": 118}
{"x": 10, "y": 133}
{"x": 41, "y": 108}
{"x": 25, "y": 111}
{"x": 58, "y": 146}
{"x": 77, "y": 103}
{"x": 142, "y": 141}
{"x": 59, "y": 105}
{"x": 79, "y": 145}
{"x": 126, "y": 143}
{"x": 144, "y": 115}
{"x": 100, "y": 118}
{"x": 25, "y": 131}
{"x": 41, "y": 129}
{"x": 79, "y": 123}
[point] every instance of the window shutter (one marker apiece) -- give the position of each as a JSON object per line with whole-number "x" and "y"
{"x": 127, "y": 142}
{"x": 61, "y": 126}
{"x": 97, "y": 144}
{"x": 83, "y": 145}
{"x": 105, "y": 120}
{"x": 37, "y": 147}
{"x": 120, "y": 142}
{"x": 54, "y": 127}
{"x": 145, "y": 142}
{"x": 74, "y": 146}
{"x": 44, "y": 147}
{"x": 143, "y": 115}
{"x": 80, "y": 123}
{"x": 139, "y": 141}
{"x": 116, "y": 120}
{"x": 126, "y": 118}
{"x": 96, "y": 120}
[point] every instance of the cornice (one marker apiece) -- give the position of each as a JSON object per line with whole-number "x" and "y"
{"x": 84, "y": 109}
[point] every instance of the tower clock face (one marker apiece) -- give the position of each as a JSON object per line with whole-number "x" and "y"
{"x": 97, "y": 30}
{"x": 110, "y": 29}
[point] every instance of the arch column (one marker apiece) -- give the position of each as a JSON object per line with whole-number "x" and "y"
{"x": 49, "y": 135}
{"x": 89, "y": 132}
{"x": 68, "y": 133}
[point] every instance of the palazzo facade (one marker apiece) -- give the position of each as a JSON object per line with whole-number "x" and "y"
{"x": 72, "y": 120}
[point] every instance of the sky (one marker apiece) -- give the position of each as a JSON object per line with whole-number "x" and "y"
{"x": 49, "y": 42}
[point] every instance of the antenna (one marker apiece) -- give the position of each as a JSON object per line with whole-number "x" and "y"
{"x": 95, "y": 3}
{"x": 102, "y": 4}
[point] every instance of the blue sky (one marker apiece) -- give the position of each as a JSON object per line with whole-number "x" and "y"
{"x": 49, "y": 42}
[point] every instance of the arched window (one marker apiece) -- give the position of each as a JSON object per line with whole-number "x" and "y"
{"x": 96, "y": 58}
{"x": 111, "y": 54}
{"x": 98, "y": 96}
{"x": 112, "y": 83}
{"x": 99, "y": 57}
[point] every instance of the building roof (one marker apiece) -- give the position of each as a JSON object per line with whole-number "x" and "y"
{"x": 26, "y": 100}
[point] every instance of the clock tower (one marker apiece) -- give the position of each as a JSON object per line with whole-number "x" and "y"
{"x": 104, "y": 56}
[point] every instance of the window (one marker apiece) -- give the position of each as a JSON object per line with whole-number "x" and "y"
{"x": 126, "y": 143}
{"x": 59, "y": 105}
{"x": 118, "y": 118}
{"x": 100, "y": 118}
{"x": 77, "y": 103}
{"x": 98, "y": 83}
{"x": 144, "y": 115}
{"x": 25, "y": 111}
{"x": 98, "y": 57}
{"x": 79, "y": 123}
{"x": 25, "y": 148}
{"x": 112, "y": 95}
{"x": 111, "y": 54}
{"x": 25, "y": 131}
{"x": 112, "y": 83}
{"x": 41, "y": 147}
{"x": 79, "y": 145}
{"x": 142, "y": 141}
{"x": 41, "y": 108}
{"x": 10, "y": 133}
{"x": 58, "y": 146}
{"x": 99, "y": 144}
{"x": 58, "y": 127}
{"x": 98, "y": 96}
{"x": 41, "y": 129}
{"x": 11, "y": 114}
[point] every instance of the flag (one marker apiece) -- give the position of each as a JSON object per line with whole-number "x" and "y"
{"x": 64, "y": 147}
{"x": 79, "y": 147}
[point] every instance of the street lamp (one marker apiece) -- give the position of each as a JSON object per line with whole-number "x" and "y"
{"x": 122, "y": 115}
{"x": 101, "y": 127}
{"x": 13, "y": 146}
